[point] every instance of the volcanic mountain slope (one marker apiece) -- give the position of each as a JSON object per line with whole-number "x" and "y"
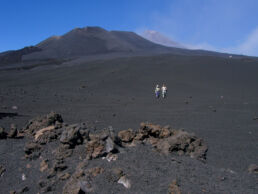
{"x": 91, "y": 43}
{"x": 16, "y": 56}
{"x": 82, "y": 42}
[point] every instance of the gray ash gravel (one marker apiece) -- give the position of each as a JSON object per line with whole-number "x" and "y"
{"x": 119, "y": 93}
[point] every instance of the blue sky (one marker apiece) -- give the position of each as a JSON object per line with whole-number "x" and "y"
{"x": 222, "y": 25}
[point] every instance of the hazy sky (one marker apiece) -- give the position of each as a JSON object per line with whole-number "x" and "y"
{"x": 222, "y": 25}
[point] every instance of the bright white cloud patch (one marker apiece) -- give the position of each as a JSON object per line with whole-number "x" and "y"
{"x": 250, "y": 46}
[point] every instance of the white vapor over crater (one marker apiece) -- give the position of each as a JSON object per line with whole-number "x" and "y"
{"x": 159, "y": 38}
{"x": 247, "y": 47}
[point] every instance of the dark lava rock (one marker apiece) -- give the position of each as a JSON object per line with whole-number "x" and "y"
{"x": 64, "y": 176}
{"x": 46, "y": 185}
{"x": 253, "y": 168}
{"x": 32, "y": 150}
{"x": 126, "y": 135}
{"x": 2, "y": 170}
{"x": 80, "y": 181}
{"x": 101, "y": 144}
{"x": 20, "y": 191}
{"x": 71, "y": 135}
{"x": 95, "y": 148}
{"x": 13, "y": 131}
{"x": 31, "y": 147}
{"x": 94, "y": 171}
{"x": 167, "y": 140}
{"x": 77, "y": 187}
{"x": 59, "y": 166}
{"x": 42, "y": 122}
{"x": 174, "y": 188}
{"x": 63, "y": 151}
{"x": 47, "y": 134}
{"x": 43, "y": 165}
{"x": 114, "y": 174}
{"x": 23, "y": 190}
{"x": 3, "y": 134}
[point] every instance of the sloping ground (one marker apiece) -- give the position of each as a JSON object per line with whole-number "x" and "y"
{"x": 215, "y": 98}
{"x": 11, "y": 57}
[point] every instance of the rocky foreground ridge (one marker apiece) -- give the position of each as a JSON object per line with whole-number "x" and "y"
{"x": 74, "y": 159}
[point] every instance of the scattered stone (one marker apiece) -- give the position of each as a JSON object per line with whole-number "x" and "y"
{"x": 23, "y": 190}
{"x": 110, "y": 145}
{"x": 59, "y": 166}
{"x": 125, "y": 181}
{"x": 253, "y": 168}
{"x": 15, "y": 107}
{"x": 126, "y": 135}
{"x": 95, "y": 171}
{"x": 13, "y": 131}
{"x": 51, "y": 173}
{"x": 31, "y": 147}
{"x": 74, "y": 186}
{"x": 64, "y": 176}
{"x": 42, "y": 183}
{"x": 174, "y": 188}
{"x": 3, "y": 134}
{"x": 115, "y": 174}
{"x": 111, "y": 157}
{"x": 23, "y": 177}
{"x": 165, "y": 132}
{"x": 2, "y": 170}
{"x": 42, "y": 131}
{"x": 95, "y": 148}
{"x": 167, "y": 140}
{"x": 71, "y": 135}
{"x": 45, "y": 186}
{"x": 63, "y": 152}
{"x": 104, "y": 144}
{"x": 43, "y": 165}
{"x": 32, "y": 150}
{"x": 42, "y": 122}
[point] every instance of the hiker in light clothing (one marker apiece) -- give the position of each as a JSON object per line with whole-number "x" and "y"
{"x": 164, "y": 91}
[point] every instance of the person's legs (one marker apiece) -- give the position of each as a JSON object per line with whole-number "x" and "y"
{"x": 164, "y": 94}
{"x": 157, "y": 94}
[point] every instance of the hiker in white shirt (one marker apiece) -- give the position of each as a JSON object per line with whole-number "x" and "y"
{"x": 164, "y": 91}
